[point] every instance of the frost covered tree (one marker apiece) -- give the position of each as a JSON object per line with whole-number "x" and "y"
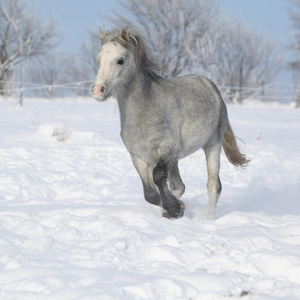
{"x": 189, "y": 36}
{"x": 294, "y": 13}
{"x": 84, "y": 67}
{"x": 48, "y": 72}
{"x": 22, "y": 35}
{"x": 244, "y": 58}
{"x": 179, "y": 32}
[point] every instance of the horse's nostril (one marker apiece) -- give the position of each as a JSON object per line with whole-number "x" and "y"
{"x": 98, "y": 90}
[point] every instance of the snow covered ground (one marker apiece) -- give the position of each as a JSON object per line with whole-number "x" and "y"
{"x": 74, "y": 223}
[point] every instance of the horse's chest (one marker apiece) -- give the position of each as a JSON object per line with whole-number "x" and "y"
{"x": 135, "y": 137}
{"x": 142, "y": 140}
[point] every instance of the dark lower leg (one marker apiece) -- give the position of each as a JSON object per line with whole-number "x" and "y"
{"x": 152, "y": 195}
{"x": 169, "y": 202}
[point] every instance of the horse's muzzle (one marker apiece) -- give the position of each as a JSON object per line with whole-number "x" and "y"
{"x": 98, "y": 91}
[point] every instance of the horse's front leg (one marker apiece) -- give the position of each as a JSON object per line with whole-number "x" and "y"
{"x": 176, "y": 185}
{"x": 174, "y": 207}
{"x": 151, "y": 192}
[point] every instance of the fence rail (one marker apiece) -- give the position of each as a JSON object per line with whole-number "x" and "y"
{"x": 14, "y": 88}
{"x": 275, "y": 92}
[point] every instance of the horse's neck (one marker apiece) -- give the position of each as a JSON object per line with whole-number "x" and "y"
{"x": 133, "y": 99}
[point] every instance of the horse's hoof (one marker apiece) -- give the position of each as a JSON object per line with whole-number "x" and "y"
{"x": 210, "y": 215}
{"x": 182, "y": 204}
{"x": 165, "y": 214}
{"x": 175, "y": 215}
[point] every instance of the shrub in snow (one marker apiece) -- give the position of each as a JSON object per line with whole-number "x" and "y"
{"x": 60, "y": 131}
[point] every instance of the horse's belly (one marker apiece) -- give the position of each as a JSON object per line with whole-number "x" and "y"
{"x": 194, "y": 136}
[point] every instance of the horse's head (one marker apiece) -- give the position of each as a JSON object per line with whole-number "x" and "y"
{"x": 122, "y": 54}
{"x": 116, "y": 63}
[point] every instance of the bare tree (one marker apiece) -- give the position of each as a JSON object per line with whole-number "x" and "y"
{"x": 83, "y": 68}
{"x": 60, "y": 75}
{"x": 244, "y": 59}
{"x": 22, "y": 35}
{"x": 47, "y": 75}
{"x": 178, "y": 33}
{"x": 187, "y": 36}
{"x": 294, "y": 66}
{"x": 176, "y": 29}
{"x": 294, "y": 13}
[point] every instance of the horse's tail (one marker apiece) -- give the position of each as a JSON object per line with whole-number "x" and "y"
{"x": 232, "y": 150}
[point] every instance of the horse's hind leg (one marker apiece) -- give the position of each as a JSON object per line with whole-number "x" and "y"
{"x": 214, "y": 186}
{"x": 176, "y": 185}
{"x": 170, "y": 203}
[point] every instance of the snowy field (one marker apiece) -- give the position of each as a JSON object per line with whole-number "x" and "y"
{"x": 74, "y": 223}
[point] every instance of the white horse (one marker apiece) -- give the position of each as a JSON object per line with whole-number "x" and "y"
{"x": 164, "y": 120}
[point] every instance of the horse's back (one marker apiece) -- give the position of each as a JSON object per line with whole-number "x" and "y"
{"x": 198, "y": 89}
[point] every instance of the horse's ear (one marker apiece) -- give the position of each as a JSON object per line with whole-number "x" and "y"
{"x": 124, "y": 35}
{"x": 102, "y": 34}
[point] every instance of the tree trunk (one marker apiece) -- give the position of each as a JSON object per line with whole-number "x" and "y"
{"x": 241, "y": 82}
{"x": 21, "y": 84}
{"x": 2, "y": 85}
{"x": 6, "y": 83}
{"x": 297, "y": 99}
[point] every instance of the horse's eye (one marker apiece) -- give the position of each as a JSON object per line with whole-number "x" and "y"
{"x": 120, "y": 61}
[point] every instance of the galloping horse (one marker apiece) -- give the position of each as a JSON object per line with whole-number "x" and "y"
{"x": 164, "y": 120}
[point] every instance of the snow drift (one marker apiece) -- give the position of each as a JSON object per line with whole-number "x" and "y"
{"x": 74, "y": 224}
